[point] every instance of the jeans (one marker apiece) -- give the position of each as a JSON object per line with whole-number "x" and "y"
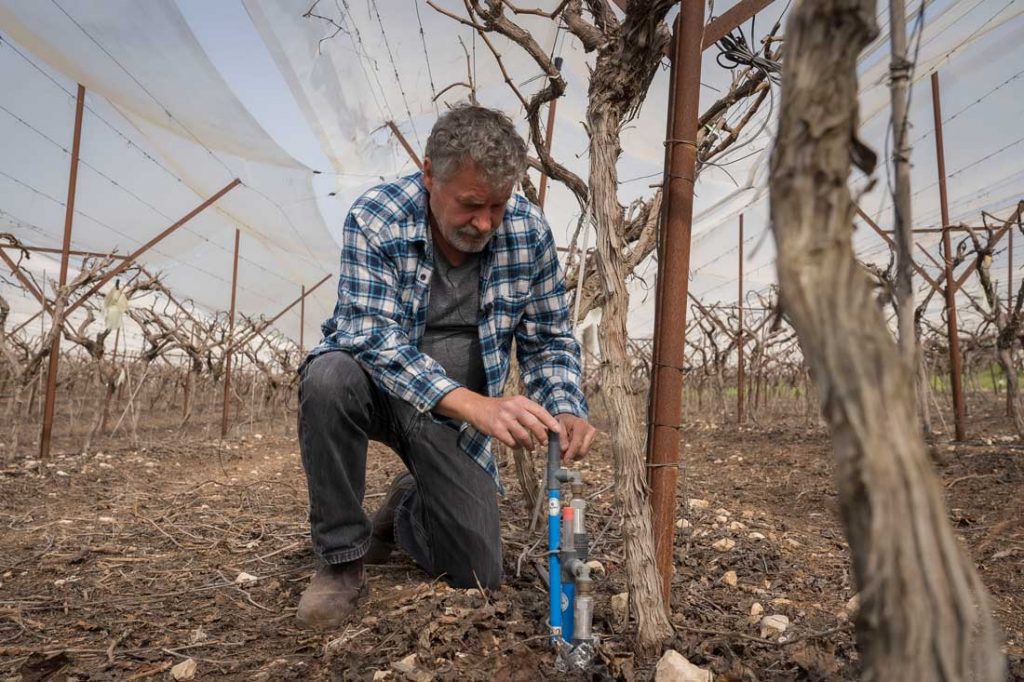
{"x": 448, "y": 524}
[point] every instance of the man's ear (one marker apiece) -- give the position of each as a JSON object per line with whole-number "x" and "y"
{"x": 428, "y": 174}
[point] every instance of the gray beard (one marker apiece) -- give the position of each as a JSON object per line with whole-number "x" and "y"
{"x": 469, "y": 246}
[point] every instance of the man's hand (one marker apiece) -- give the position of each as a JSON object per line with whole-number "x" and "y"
{"x": 512, "y": 420}
{"x": 577, "y": 435}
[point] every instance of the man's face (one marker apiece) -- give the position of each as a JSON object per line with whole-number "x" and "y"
{"x": 465, "y": 208}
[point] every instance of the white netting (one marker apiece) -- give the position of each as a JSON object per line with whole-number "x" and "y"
{"x": 179, "y": 103}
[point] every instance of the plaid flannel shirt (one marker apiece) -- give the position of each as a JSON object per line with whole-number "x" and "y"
{"x": 384, "y": 289}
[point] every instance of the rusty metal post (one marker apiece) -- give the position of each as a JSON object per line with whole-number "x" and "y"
{"x": 1009, "y": 306}
{"x": 736, "y": 15}
{"x": 126, "y": 261}
{"x": 231, "y": 336}
{"x": 955, "y": 368}
{"x": 51, "y": 373}
{"x": 405, "y": 144}
{"x": 659, "y": 289}
{"x": 677, "y": 222}
{"x": 259, "y": 330}
{"x": 543, "y": 192}
{"x": 25, "y": 282}
{"x": 302, "y": 320}
{"x": 739, "y": 337}
{"x": 552, "y": 105}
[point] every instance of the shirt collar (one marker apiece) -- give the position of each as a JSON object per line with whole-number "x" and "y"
{"x": 421, "y": 233}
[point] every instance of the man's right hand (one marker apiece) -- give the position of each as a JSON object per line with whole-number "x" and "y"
{"x": 513, "y": 420}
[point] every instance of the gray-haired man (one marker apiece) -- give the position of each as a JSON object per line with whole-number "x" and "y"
{"x": 440, "y": 271}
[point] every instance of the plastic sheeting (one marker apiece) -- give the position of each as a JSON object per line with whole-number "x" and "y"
{"x": 165, "y": 129}
{"x": 162, "y": 132}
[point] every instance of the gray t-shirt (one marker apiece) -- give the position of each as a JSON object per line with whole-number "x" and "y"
{"x": 452, "y": 336}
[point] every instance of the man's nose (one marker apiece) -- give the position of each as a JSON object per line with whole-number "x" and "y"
{"x": 482, "y": 222}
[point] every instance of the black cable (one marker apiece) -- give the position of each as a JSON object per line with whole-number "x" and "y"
{"x": 734, "y": 51}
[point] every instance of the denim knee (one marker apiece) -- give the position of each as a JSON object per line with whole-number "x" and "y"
{"x": 479, "y": 568}
{"x": 333, "y": 378}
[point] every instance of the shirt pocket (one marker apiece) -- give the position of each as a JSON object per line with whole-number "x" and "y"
{"x": 507, "y": 310}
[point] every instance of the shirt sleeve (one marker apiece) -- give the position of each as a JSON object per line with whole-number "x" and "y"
{"x": 547, "y": 350}
{"x": 367, "y": 322}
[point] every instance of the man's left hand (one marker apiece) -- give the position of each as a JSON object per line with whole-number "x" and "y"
{"x": 577, "y": 435}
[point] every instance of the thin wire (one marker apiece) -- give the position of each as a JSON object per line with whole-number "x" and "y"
{"x": 357, "y": 51}
{"x": 878, "y": 248}
{"x": 975, "y": 32}
{"x": 142, "y": 87}
{"x": 84, "y": 162}
{"x": 171, "y": 116}
{"x": 956, "y": 47}
{"x": 394, "y": 67}
{"x": 980, "y": 99}
{"x": 731, "y": 250}
{"x": 92, "y": 111}
{"x": 17, "y": 222}
{"x": 361, "y": 50}
{"x": 974, "y": 163}
{"x": 911, "y": 68}
{"x": 426, "y": 57}
{"x": 122, "y": 234}
{"x": 643, "y": 177}
{"x": 128, "y": 141}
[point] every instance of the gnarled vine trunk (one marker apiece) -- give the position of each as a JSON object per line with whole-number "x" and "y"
{"x": 627, "y": 423}
{"x": 924, "y": 613}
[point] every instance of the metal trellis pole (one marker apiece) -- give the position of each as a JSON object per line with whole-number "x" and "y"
{"x": 231, "y": 338}
{"x": 739, "y": 336}
{"x": 673, "y": 280}
{"x": 51, "y": 375}
{"x": 552, "y": 105}
{"x": 955, "y": 367}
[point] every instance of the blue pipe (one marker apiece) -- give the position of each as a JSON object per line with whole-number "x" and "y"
{"x": 568, "y": 610}
{"x": 554, "y": 537}
{"x": 554, "y": 565}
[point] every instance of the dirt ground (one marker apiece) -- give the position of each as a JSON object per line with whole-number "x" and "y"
{"x": 121, "y": 564}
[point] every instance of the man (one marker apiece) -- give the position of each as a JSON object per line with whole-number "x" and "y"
{"x": 439, "y": 272}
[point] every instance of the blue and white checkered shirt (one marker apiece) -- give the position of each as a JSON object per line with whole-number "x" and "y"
{"x": 386, "y": 264}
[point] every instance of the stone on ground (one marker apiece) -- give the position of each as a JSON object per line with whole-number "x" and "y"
{"x": 186, "y": 670}
{"x": 774, "y": 625}
{"x": 620, "y": 607}
{"x": 673, "y": 667}
{"x": 724, "y": 545}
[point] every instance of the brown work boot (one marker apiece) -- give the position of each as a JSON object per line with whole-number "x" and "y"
{"x": 382, "y": 540}
{"x": 332, "y": 596}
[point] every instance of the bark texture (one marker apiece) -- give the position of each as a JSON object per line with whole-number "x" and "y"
{"x": 617, "y": 89}
{"x": 627, "y": 426}
{"x": 924, "y": 613}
